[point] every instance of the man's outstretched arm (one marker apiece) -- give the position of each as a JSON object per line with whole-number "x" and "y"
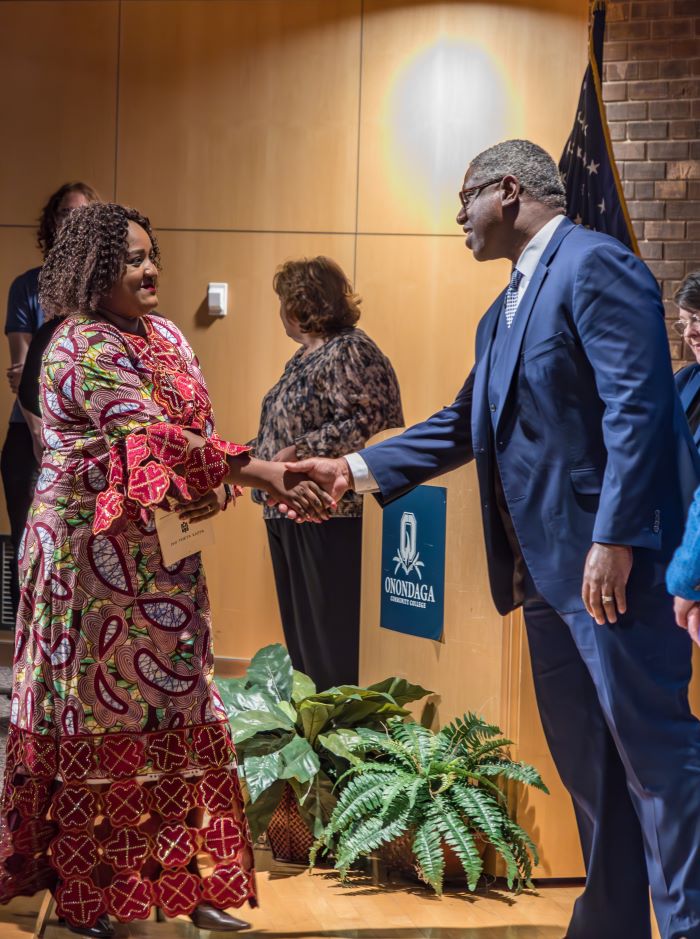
{"x": 393, "y": 467}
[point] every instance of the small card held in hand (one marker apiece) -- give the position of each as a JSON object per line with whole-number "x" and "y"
{"x": 180, "y": 538}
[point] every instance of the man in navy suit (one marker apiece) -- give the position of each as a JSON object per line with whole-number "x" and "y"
{"x": 585, "y": 468}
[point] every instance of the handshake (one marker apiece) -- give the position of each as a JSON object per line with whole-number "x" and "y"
{"x": 308, "y": 490}
{"x": 304, "y": 491}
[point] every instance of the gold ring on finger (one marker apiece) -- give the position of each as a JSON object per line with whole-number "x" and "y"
{"x": 607, "y": 599}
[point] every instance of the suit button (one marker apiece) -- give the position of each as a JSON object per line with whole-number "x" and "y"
{"x": 493, "y": 407}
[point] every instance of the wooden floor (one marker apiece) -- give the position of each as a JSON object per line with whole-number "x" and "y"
{"x": 299, "y": 905}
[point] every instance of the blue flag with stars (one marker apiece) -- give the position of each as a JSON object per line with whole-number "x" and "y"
{"x": 594, "y": 195}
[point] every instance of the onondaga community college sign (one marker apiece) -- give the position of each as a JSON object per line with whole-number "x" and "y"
{"x": 413, "y": 563}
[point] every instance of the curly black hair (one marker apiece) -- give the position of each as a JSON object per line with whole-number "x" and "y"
{"x": 89, "y": 257}
{"x": 51, "y": 213}
{"x": 318, "y": 294}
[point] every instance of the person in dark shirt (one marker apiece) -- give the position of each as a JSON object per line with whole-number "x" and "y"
{"x": 21, "y": 452}
{"x": 336, "y": 391}
{"x": 28, "y": 391}
{"x": 688, "y": 326}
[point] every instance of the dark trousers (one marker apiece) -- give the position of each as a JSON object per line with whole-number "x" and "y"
{"x": 614, "y": 706}
{"x": 317, "y": 573}
{"x": 19, "y": 474}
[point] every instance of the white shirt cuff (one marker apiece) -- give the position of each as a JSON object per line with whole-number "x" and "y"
{"x": 363, "y": 480}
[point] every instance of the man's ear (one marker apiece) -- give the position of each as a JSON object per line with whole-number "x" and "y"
{"x": 510, "y": 190}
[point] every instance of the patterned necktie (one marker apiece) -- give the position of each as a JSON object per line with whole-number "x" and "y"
{"x": 511, "y": 303}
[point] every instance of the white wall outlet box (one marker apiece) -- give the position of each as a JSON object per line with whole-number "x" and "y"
{"x": 217, "y": 299}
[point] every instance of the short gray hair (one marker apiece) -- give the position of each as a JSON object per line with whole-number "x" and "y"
{"x": 532, "y": 166}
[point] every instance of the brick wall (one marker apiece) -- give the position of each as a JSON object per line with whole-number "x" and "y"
{"x": 652, "y": 92}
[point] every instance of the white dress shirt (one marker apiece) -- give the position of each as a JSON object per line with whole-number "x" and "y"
{"x": 363, "y": 480}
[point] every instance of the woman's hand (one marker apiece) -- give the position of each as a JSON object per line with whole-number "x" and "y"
{"x": 14, "y": 377}
{"x": 305, "y": 499}
{"x": 207, "y": 506}
{"x": 688, "y": 617}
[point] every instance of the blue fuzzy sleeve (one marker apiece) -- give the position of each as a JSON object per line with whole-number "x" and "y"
{"x": 683, "y": 574}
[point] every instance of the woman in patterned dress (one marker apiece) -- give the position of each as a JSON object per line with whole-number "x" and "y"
{"x": 120, "y": 768}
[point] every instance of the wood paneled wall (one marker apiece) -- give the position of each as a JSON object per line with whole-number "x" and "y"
{"x": 251, "y": 131}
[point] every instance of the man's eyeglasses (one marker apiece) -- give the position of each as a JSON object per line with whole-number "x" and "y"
{"x": 692, "y": 322}
{"x": 468, "y": 196}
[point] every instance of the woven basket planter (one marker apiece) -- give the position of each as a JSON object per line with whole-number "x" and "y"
{"x": 290, "y": 839}
{"x": 397, "y": 856}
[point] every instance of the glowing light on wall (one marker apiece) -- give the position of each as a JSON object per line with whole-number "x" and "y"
{"x": 447, "y": 103}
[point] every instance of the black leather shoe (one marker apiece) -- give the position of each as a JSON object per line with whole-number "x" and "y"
{"x": 103, "y": 929}
{"x": 206, "y": 916}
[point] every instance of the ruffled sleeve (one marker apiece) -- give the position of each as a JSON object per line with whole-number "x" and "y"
{"x": 150, "y": 463}
{"x": 152, "y": 467}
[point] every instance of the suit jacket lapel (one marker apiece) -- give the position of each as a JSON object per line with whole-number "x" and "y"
{"x": 506, "y": 365}
{"x": 687, "y": 394}
{"x": 481, "y": 379}
{"x": 691, "y": 388}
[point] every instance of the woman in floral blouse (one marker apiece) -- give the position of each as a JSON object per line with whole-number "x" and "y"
{"x": 336, "y": 392}
{"x": 120, "y": 767}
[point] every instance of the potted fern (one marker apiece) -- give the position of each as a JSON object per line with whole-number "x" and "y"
{"x": 290, "y": 741}
{"x": 441, "y": 790}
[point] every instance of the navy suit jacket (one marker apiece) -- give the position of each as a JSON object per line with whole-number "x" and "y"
{"x": 581, "y": 418}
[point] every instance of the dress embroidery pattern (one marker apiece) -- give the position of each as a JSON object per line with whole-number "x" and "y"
{"x": 120, "y": 767}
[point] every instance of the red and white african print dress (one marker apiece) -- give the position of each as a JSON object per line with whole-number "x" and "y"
{"x": 120, "y": 767}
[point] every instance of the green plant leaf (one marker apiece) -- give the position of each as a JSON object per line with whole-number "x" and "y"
{"x": 362, "y": 796}
{"x": 261, "y": 772}
{"x": 405, "y": 777}
{"x": 427, "y": 847}
{"x": 418, "y": 791}
{"x": 317, "y": 807}
{"x": 519, "y": 772}
{"x": 524, "y": 849}
{"x": 302, "y": 686}
{"x": 286, "y": 707}
{"x": 419, "y": 741}
{"x": 457, "y": 835}
{"x": 472, "y": 738}
{"x": 366, "y": 836}
{"x": 364, "y": 709}
{"x": 236, "y": 698}
{"x": 247, "y": 724}
{"x": 338, "y": 741}
{"x": 402, "y": 691}
{"x": 228, "y": 687}
{"x": 300, "y": 790}
{"x": 261, "y": 744}
{"x": 298, "y": 761}
{"x": 314, "y": 717}
{"x": 370, "y": 741}
{"x": 271, "y": 671}
{"x": 396, "y": 789}
{"x": 486, "y": 815}
{"x": 342, "y": 691}
{"x": 260, "y": 812}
